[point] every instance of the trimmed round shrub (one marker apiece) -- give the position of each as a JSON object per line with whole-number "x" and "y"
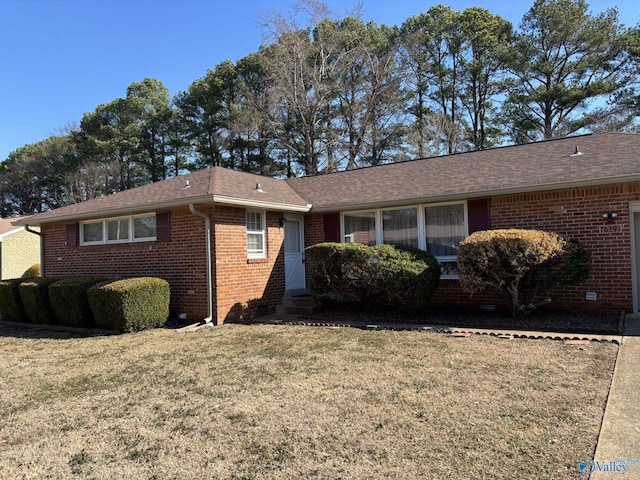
{"x": 34, "y": 294}
{"x": 383, "y": 274}
{"x": 524, "y": 265}
{"x": 131, "y": 304}
{"x": 69, "y": 300}
{"x": 11, "y": 307}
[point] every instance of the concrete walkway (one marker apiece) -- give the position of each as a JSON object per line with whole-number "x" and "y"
{"x": 618, "y": 449}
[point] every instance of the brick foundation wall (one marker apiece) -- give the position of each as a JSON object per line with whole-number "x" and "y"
{"x": 243, "y": 284}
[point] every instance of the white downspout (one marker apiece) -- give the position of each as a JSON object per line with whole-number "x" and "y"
{"x": 207, "y": 223}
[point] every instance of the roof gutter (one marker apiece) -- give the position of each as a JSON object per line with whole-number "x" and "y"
{"x": 207, "y": 231}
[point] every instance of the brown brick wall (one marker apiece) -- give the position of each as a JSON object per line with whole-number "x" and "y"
{"x": 240, "y": 285}
{"x": 180, "y": 262}
{"x": 576, "y": 213}
{"x": 244, "y": 284}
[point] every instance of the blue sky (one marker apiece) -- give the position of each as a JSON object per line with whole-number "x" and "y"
{"x": 62, "y": 58}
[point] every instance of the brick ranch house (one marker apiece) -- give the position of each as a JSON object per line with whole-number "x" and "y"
{"x": 232, "y": 243}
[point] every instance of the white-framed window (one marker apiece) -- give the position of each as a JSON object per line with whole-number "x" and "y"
{"x": 359, "y": 227}
{"x": 92, "y": 232}
{"x": 256, "y": 234}
{"x": 437, "y": 228}
{"x": 133, "y": 228}
{"x": 400, "y": 226}
{"x": 144, "y": 228}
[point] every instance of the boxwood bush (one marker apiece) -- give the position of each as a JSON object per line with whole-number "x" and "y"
{"x": 130, "y": 304}
{"x": 11, "y": 307}
{"x": 69, "y": 300}
{"x": 34, "y": 294}
{"x": 371, "y": 275}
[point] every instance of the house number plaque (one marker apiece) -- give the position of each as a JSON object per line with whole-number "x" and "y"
{"x": 613, "y": 228}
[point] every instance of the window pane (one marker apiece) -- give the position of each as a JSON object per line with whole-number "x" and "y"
{"x": 254, "y": 221}
{"x": 254, "y": 242}
{"x": 445, "y": 229}
{"x": 400, "y": 226}
{"x": 256, "y": 235}
{"x": 118, "y": 229}
{"x": 144, "y": 227}
{"x": 92, "y": 232}
{"x": 360, "y": 228}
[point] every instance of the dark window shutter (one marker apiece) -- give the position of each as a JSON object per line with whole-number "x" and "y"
{"x": 331, "y": 227}
{"x": 163, "y": 227}
{"x": 72, "y": 235}
{"x": 479, "y": 211}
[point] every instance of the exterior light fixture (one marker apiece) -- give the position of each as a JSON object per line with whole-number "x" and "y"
{"x": 609, "y": 216}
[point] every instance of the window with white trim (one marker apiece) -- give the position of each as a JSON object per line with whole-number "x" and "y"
{"x": 360, "y": 227}
{"x": 133, "y": 228}
{"x": 256, "y": 235}
{"x": 436, "y": 228}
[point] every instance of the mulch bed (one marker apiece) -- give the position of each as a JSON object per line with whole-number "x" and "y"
{"x": 544, "y": 320}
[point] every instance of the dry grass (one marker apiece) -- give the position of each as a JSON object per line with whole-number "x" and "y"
{"x": 275, "y": 402}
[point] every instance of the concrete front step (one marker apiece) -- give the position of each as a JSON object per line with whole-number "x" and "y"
{"x": 299, "y": 303}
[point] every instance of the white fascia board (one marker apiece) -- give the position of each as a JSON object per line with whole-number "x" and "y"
{"x": 10, "y": 232}
{"x": 242, "y": 202}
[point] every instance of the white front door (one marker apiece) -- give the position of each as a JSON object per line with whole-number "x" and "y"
{"x": 293, "y": 252}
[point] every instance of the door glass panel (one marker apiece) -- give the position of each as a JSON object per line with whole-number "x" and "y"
{"x": 291, "y": 236}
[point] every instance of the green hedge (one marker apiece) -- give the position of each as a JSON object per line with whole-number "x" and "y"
{"x": 369, "y": 275}
{"x": 130, "y": 304}
{"x": 10, "y": 303}
{"x": 35, "y": 300}
{"x": 69, "y": 300}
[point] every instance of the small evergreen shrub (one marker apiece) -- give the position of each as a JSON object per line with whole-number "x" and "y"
{"x": 34, "y": 294}
{"x": 131, "y": 304}
{"x": 382, "y": 274}
{"x": 11, "y": 307}
{"x": 69, "y": 300}
{"x": 33, "y": 271}
{"x": 524, "y": 265}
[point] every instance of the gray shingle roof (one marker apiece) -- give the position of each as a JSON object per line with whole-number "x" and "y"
{"x": 219, "y": 185}
{"x": 606, "y": 157}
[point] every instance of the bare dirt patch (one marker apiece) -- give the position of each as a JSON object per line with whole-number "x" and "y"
{"x": 283, "y": 402}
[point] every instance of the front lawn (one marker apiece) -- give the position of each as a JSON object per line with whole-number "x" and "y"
{"x": 284, "y": 402}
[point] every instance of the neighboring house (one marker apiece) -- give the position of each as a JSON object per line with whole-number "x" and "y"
{"x": 255, "y": 228}
{"x": 19, "y": 249}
